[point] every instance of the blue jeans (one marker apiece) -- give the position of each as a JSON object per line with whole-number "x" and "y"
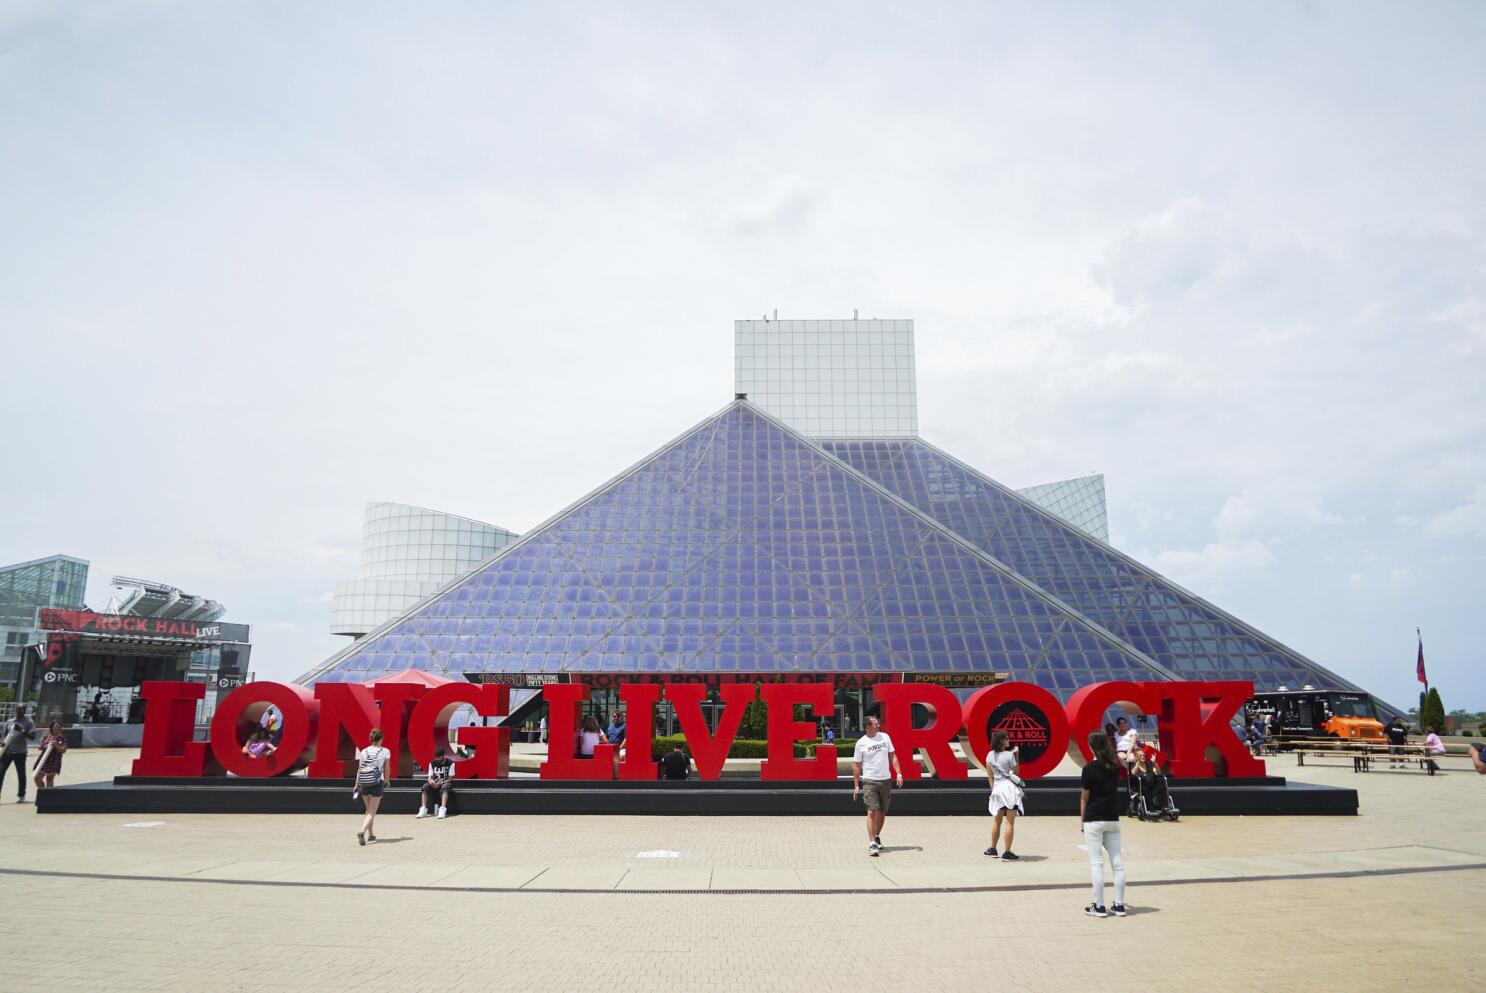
{"x": 1101, "y": 837}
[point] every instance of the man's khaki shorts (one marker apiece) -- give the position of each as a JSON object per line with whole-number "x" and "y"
{"x": 877, "y": 794}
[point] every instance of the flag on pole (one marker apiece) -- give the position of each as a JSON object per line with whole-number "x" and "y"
{"x": 1419, "y": 669}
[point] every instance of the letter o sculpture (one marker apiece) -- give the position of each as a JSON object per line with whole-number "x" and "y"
{"x": 242, "y": 709}
{"x": 1030, "y": 714}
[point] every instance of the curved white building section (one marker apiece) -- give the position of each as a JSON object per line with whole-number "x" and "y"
{"x": 407, "y": 554}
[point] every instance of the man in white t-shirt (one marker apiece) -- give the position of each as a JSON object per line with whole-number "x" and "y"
{"x": 870, "y": 778}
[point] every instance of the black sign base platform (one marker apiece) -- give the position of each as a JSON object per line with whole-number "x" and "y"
{"x": 298, "y": 795}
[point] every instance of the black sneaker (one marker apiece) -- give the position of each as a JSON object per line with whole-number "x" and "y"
{"x": 360, "y": 838}
{"x": 1011, "y": 857}
{"x": 1118, "y": 909}
{"x": 992, "y": 852}
{"x": 1096, "y": 910}
{"x": 878, "y": 839}
{"x": 873, "y": 851}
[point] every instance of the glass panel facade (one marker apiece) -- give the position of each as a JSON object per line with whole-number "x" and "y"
{"x": 1177, "y": 630}
{"x": 58, "y": 581}
{"x": 408, "y": 554}
{"x": 742, "y": 547}
{"x": 830, "y": 379}
{"x": 1079, "y": 501}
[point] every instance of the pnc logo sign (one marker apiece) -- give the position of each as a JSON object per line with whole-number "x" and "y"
{"x": 324, "y": 725}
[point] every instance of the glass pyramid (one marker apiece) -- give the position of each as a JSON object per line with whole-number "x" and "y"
{"x": 743, "y": 547}
{"x": 1164, "y": 622}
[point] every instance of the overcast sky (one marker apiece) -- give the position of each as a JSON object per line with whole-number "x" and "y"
{"x": 263, "y": 262}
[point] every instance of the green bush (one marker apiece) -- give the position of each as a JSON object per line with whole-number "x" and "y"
{"x": 7, "y": 694}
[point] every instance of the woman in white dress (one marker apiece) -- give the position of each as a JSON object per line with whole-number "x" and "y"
{"x": 1006, "y": 793}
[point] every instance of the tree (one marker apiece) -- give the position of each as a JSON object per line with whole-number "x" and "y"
{"x": 755, "y": 722}
{"x": 1432, "y": 714}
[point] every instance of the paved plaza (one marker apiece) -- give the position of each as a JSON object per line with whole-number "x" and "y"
{"x": 208, "y": 902}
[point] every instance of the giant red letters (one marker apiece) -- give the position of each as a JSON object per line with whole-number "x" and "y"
{"x": 240, "y": 711}
{"x": 564, "y": 722}
{"x": 1033, "y": 718}
{"x": 639, "y": 709}
{"x": 166, "y": 748}
{"x": 709, "y": 751}
{"x": 356, "y": 710}
{"x": 1087, "y": 706}
{"x": 897, "y": 701}
{"x": 321, "y": 728}
{"x": 784, "y": 731}
{"x": 1194, "y": 717}
{"x": 428, "y": 729}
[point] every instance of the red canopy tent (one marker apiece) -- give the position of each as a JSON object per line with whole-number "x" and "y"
{"x": 412, "y": 676}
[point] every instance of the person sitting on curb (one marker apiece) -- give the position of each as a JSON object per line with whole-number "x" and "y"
{"x": 440, "y": 781}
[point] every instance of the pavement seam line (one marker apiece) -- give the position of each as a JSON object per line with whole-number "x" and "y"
{"x": 801, "y": 891}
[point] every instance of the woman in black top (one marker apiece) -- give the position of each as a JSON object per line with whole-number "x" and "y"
{"x": 1099, "y": 816}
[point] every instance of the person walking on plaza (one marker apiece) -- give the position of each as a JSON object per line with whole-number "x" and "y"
{"x": 13, "y": 753}
{"x": 1099, "y": 817}
{"x": 1006, "y": 792}
{"x": 371, "y": 781}
{"x": 870, "y": 779}
{"x": 1398, "y": 737}
{"x": 49, "y": 761}
{"x": 440, "y": 781}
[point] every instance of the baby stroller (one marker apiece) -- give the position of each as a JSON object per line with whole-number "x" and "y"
{"x": 1150, "y": 800}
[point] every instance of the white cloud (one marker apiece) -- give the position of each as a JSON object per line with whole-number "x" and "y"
{"x": 484, "y": 261}
{"x": 783, "y": 208}
{"x": 1465, "y": 521}
{"x": 1215, "y": 562}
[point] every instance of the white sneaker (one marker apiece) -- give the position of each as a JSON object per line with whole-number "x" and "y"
{"x": 422, "y": 812}
{"x": 443, "y": 812}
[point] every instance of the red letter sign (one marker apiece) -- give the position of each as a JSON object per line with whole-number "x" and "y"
{"x": 709, "y": 752}
{"x": 564, "y": 710}
{"x": 639, "y": 730}
{"x": 428, "y": 728}
{"x": 166, "y": 748}
{"x": 897, "y": 700}
{"x": 357, "y": 709}
{"x": 1194, "y": 717}
{"x": 1031, "y": 717}
{"x": 784, "y": 731}
{"x": 1087, "y": 706}
{"x": 241, "y": 710}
